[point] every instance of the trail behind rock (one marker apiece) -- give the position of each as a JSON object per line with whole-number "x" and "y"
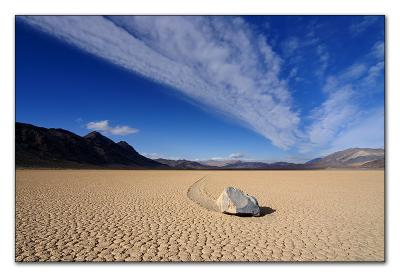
{"x": 196, "y": 194}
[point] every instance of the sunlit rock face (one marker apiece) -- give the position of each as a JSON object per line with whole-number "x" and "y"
{"x": 235, "y": 201}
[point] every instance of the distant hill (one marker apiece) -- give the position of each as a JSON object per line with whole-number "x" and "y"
{"x": 374, "y": 164}
{"x": 351, "y": 158}
{"x": 262, "y": 165}
{"x": 184, "y": 164}
{"x": 42, "y": 147}
{"x": 218, "y": 163}
{"x": 57, "y": 148}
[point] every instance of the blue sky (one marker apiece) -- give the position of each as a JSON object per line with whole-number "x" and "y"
{"x": 265, "y": 88}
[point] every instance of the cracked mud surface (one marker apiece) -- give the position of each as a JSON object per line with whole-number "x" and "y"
{"x": 109, "y": 215}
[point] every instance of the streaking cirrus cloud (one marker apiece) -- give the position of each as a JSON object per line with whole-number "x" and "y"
{"x": 219, "y": 62}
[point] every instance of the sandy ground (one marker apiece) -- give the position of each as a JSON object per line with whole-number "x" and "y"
{"x": 106, "y": 215}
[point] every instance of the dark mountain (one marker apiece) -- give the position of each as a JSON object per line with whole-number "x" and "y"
{"x": 351, "y": 158}
{"x": 42, "y": 147}
{"x": 127, "y": 147}
{"x": 117, "y": 153}
{"x": 184, "y": 164}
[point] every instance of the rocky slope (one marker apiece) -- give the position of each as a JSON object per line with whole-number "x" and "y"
{"x": 42, "y": 147}
{"x": 351, "y": 158}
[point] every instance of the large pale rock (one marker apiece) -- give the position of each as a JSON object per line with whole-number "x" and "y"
{"x": 235, "y": 201}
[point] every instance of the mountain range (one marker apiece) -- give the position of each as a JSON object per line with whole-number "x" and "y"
{"x": 353, "y": 157}
{"x": 185, "y": 164}
{"x": 40, "y": 147}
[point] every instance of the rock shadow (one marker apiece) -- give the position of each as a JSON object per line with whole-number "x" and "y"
{"x": 263, "y": 212}
{"x": 266, "y": 211}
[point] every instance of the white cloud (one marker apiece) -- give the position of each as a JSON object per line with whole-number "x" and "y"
{"x": 353, "y": 72}
{"x": 324, "y": 57}
{"x": 293, "y": 49}
{"x": 99, "y": 125}
{"x": 365, "y": 73}
{"x": 339, "y": 120}
{"x": 378, "y": 50}
{"x": 367, "y": 131}
{"x": 218, "y": 158}
{"x": 347, "y": 76}
{"x": 236, "y": 155}
{"x": 122, "y": 130}
{"x": 361, "y": 26}
{"x": 291, "y": 45}
{"x": 376, "y": 69}
{"x": 330, "y": 117}
{"x": 103, "y": 126}
{"x": 374, "y": 72}
{"x": 219, "y": 62}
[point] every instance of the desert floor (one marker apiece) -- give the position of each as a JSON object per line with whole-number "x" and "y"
{"x": 135, "y": 215}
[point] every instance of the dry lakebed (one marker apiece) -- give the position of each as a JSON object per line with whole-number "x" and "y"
{"x": 170, "y": 215}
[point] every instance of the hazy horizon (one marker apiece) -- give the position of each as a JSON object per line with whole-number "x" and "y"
{"x": 236, "y": 157}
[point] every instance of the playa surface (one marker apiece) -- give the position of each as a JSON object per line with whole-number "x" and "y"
{"x": 149, "y": 215}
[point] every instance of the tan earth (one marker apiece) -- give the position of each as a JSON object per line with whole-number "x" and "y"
{"x": 146, "y": 215}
